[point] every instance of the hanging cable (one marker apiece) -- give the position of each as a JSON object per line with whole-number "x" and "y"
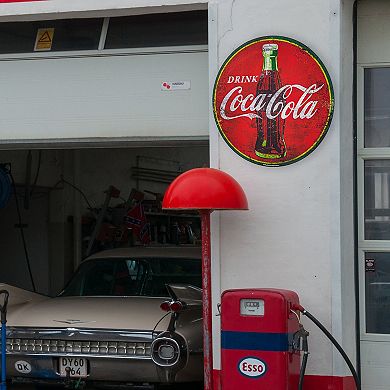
{"x": 33, "y": 187}
{"x": 27, "y": 181}
{"x": 62, "y": 180}
{"x": 22, "y": 233}
{"x": 5, "y": 185}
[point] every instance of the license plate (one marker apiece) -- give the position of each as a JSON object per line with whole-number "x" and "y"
{"x": 77, "y": 367}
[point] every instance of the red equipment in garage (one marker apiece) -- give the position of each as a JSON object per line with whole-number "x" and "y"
{"x": 258, "y": 326}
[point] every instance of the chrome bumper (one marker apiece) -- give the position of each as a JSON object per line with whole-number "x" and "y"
{"x": 112, "y": 356}
{"x": 99, "y": 369}
{"x": 88, "y": 342}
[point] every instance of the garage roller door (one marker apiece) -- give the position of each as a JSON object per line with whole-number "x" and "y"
{"x": 79, "y": 97}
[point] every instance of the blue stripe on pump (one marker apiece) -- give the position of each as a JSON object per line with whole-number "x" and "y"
{"x": 254, "y": 341}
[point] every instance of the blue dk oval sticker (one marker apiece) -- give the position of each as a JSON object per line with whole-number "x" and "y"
{"x": 252, "y": 367}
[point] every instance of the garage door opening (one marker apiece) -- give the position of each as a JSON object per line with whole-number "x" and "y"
{"x": 113, "y": 109}
{"x": 74, "y": 203}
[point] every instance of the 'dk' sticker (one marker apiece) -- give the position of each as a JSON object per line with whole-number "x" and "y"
{"x": 252, "y": 367}
{"x": 23, "y": 367}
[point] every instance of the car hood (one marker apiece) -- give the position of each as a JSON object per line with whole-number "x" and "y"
{"x": 132, "y": 313}
{"x": 18, "y": 295}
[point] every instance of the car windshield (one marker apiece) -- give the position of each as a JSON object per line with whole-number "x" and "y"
{"x": 129, "y": 276}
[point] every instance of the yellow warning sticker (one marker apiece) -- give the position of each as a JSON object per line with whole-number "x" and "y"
{"x": 44, "y": 39}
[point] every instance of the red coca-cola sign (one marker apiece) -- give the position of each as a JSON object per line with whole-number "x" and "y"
{"x": 273, "y": 101}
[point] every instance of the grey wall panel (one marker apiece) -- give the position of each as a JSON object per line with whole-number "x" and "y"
{"x": 111, "y": 96}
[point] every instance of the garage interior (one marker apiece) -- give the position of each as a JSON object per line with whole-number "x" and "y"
{"x": 63, "y": 194}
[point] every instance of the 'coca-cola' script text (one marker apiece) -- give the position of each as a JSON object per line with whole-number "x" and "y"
{"x": 273, "y": 105}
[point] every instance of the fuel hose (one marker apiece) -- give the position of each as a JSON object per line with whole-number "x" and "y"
{"x": 334, "y": 342}
{"x": 302, "y": 335}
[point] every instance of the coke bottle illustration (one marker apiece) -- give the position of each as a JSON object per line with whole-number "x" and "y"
{"x": 270, "y": 142}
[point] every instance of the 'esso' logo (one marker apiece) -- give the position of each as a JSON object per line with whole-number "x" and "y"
{"x": 252, "y": 367}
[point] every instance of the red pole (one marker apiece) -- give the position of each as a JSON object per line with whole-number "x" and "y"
{"x": 207, "y": 308}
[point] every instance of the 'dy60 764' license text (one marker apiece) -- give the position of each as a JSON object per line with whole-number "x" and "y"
{"x": 77, "y": 367}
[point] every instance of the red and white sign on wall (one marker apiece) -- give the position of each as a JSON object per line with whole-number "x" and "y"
{"x": 273, "y": 101}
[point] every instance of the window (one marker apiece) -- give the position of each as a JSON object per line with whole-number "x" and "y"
{"x": 69, "y": 34}
{"x": 378, "y": 293}
{"x": 377, "y": 199}
{"x": 133, "y": 277}
{"x": 374, "y": 168}
{"x": 169, "y": 29}
{"x": 376, "y": 107}
{"x": 151, "y": 30}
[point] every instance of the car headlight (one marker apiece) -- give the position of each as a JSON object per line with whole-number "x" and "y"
{"x": 165, "y": 351}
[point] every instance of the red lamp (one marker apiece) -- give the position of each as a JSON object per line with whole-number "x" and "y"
{"x": 205, "y": 190}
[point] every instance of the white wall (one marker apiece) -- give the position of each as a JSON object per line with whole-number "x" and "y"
{"x": 291, "y": 237}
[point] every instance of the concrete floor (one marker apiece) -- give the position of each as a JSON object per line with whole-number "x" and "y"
{"x": 14, "y": 387}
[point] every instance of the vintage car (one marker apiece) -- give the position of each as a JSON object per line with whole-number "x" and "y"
{"x": 128, "y": 317}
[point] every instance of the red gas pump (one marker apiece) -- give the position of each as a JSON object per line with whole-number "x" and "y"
{"x": 257, "y": 340}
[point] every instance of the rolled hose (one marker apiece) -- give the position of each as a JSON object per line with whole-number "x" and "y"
{"x": 334, "y": 342}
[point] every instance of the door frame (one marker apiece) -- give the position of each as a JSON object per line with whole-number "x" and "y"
{"x": 364, "y": 154}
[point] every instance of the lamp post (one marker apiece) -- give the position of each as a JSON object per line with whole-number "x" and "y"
{"x": 205, "y": 190}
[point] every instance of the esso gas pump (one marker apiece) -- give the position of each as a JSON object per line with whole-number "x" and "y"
{"x": 258, "y": 327}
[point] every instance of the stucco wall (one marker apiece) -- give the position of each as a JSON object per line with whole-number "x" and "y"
{"x": 291, "y": 237}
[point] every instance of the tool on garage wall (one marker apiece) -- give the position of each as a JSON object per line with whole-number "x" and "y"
{"x": 145, "y": 170}
{"x": 111, "y": 192}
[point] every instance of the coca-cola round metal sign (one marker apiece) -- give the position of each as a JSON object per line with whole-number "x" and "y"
{"x": 273, "y": 101}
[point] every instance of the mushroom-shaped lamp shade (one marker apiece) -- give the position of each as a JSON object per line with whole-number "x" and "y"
{"x": 205, "y": 189}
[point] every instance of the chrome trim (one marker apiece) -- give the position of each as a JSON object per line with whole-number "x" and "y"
{"x": 79, "y": 342}
{"x": 154, "y": 351}
{"x": 86, "y": 356}
{"x": 80, "y": 334}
